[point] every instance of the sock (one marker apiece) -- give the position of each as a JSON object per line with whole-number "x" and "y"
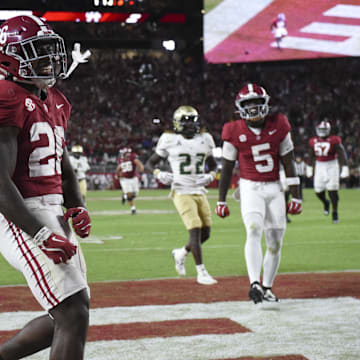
{"x": 184, "y": 252}
{"x": 199, "y": 268}
{"x": 133, "y": 207}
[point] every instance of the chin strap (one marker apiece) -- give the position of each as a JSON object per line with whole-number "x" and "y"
{"x": 78, "y": 58}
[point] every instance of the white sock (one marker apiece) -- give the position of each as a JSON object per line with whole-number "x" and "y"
{"x": 184, "y": 252}
{"x": 200, "y": 268}
{"x": 133, "y": 207}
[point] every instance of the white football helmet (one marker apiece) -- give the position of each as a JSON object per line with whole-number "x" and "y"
{"x": 323, "y": 129}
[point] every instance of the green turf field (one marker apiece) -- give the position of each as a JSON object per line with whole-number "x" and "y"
{"x": 312, "y": 242}
{"x": 210, "y": 4}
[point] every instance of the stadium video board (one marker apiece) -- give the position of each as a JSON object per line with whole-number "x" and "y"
{"x": 240, "y": 31}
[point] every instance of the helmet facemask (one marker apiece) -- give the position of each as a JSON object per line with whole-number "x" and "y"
{"x": 253, "y": 110}
{"x": 323, "y": 129}
{"x": 42, "y": 59}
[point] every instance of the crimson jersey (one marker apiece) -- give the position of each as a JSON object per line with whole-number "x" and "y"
{"x": 325, "y": 148}
{"x": 258, "y": 155}
{"x": 42, "y": 126}
{"x": 128, "y": 166}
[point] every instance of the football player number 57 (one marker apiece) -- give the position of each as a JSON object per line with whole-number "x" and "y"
{"x": 267, "y": 162}
{"x": 45, "y": 160}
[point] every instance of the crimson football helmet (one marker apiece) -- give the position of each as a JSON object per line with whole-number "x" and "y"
{"x": 186, "y": 121}
{"x": 323, "y": 129}
{"x": 124, "y": 152}
{"x": 31, "y": 51}
{"x": 252, "y": 101}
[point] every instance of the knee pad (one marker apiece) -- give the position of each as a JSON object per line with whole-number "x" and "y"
{"x": 273, "y": 239}
{"x": 254, "y": 224}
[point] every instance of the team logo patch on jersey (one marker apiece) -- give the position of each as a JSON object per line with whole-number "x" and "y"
{"x": 29, "y": 104}
{"x": 272, "y": 132}
{"x": 242, "y": 138}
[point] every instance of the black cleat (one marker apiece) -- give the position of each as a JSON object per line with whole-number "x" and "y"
{"x": 335, "y": 217}
{"x": 256, "y": 293}
{"x": 326, "y": 207}
{"x": 269, "y": 295}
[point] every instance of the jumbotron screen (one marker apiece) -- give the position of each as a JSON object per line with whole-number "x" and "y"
{"x": 238, "y": 31}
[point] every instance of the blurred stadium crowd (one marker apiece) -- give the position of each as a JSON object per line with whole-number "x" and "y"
{"x": 117, "y": 96}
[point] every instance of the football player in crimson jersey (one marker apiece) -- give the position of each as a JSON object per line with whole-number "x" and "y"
{"x": 37, "y": 179}
{"x": 260, "y": 142}
{"x": 325, "y": 155}
{"x": 126, "y": 171}
{"x": 188, "y": 149}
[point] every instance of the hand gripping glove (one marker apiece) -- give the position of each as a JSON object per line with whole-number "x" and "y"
{"x": 164, "y": 177}
{"x": 294, "y": 207}
{"x": 222, "y": 209}
{"x": 80, "y": 220}
{"x": 55, "y": 247}
{"x": 205, "y": 179}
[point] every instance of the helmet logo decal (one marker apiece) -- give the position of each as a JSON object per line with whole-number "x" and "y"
{"x": 3, "y": 35}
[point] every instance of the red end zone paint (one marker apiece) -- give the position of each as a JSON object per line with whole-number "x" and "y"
{"x": 179, "y": 291}
{"x": 140, "y": 330}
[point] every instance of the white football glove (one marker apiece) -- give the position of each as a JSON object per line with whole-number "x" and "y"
{"x": 78, "y": 58}
{"x": 205, "y": 179}
{"x": 344, "y": 172}
{"x": 164, "y": 177}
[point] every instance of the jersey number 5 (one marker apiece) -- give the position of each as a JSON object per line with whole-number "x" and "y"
{"x": 46, "y": 160}
{"x": 266, "y": 159}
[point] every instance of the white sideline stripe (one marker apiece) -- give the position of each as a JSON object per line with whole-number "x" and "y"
{"x": 332, "y": 29}
{"x": 298, "y": 326}
{"x": 350, "y": 47}
{"x": 227, "y": 17}
{"x": 346, "y": 11}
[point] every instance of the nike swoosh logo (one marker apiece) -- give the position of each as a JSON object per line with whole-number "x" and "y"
{"x": 272, "y": 132}
{"x": 59, "y": 106}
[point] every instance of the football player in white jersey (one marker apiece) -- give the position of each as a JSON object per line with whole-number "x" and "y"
{"x": 187, "y": 149}
{"x": 80, "y": 164}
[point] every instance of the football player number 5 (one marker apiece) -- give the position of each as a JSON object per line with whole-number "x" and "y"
{"x": 45, "y": 160}
{"x": 267, "y": 162}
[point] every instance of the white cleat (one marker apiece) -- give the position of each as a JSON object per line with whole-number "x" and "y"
{"x": 179, "y": 258}
{"x": 204, "y": 278}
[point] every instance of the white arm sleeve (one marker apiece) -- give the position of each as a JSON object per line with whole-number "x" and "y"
{"x": 229, "y": 151}
{"x": 286, "y": 145}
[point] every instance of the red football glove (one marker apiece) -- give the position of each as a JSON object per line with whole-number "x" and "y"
{"x": 80, "y": 220}
{"x": 222, "y": 209}
{"x": 294, "y": 207}
{"x": 56, "y": 247}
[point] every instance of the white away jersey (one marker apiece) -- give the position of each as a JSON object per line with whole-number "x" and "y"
{"x": 186, "y": 158}
{"x": 80, "y": 166}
